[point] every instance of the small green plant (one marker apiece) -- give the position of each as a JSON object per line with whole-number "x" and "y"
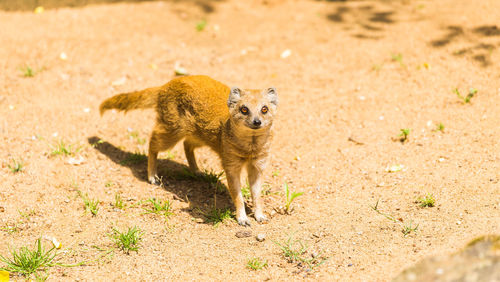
{"x": 27, "y": 214}
{"x": 398, "y": 58}
{"x": 296, "y": 252}
{"x": 407, "y": 228}
{"x": 217, "y": 216}
{"x": 108, "y": 184}
{"x": 256, "y": 263}
{"x": 26, "y": 262}
{"x": 212, "y": 178}
{"x": 170, "y": 155}
{"x": 290, "y": 196}
{"x": 129, "y": 240}
{"x": 27, "y": 71}
{"x": 159, "y": 207}
{"x": 10, "y": 228}
{"x": 466, "y": 99}
{"x": 404, "y": 134}
{"x": 135, "y": 135}
{"x": 119, "y": 204}
{"x": 276, "y": 173}
{"x": 91, "y": 205}
{"x": 96, "y": 144}
{"x": 134, "y": 158}
{"x": 427, "y": 201}
{"x": 377, "y": 67}
{"x": 440, "y": 127}
{"x": 62, "y": 148}
{"x": 16, "y": 166}
{"x": 245, "y": 190}
{"x": 201, "y": 25}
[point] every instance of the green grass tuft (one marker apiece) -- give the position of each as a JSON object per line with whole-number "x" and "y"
{"x": 404, "y": 134}
{"x": 62, "y": 148}
{"x": 91, "y": 205}
{"x": 427, "y": 201}
{"x": 213, "y": 179}
{"x": 256, "y": 263}
{"x": 218, "y": 216}
{"x": 129, "y": 240}
{"x": 407, "y": 227}
{"x": 201, "y": 25}
{"x": 296, "y": 252}
{"x": 16, "y": 166}
{"x": 470, "y": 95}
{"x": 135, "y": 135}
{"x": 119, "y": 204}
{"x": 159, "y": 207}
{"x": 27, "y": 71}
{"x": 440, "y": 127}
{"x": 26, "y": 262}
{"x": 289, "y": 197}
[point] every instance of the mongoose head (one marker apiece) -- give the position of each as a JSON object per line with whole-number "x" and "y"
{"x": 253, "y": 109}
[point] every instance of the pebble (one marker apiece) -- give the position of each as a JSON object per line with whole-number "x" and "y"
{"x": 261, "y": 237}
{"x": 243, "y": 234}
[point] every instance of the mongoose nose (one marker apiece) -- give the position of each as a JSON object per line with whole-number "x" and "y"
{"x": 256, "y": 122}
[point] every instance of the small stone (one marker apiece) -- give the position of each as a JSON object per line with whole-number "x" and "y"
{"x": 2, "y": 209}
{"x": 261, "y": 237}
{"x": 286, "y": 53}
{"x": 314, "y": 254}
{"x": 243, "y": 234}
{"x": 199, "y": 220}
{"x": 349, "y": 265}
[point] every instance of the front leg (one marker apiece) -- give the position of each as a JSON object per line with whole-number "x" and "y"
{"x": 233, "y": 171}
{"x": 255, "y": 168}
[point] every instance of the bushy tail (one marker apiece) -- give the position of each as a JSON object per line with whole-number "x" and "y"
{"x": 147, "y": 98}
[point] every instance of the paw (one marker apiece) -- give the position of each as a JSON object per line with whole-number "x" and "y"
{"x": 260, "y": 217}
{"x": 243, "y": 221}
{"x": 155, "y": 180}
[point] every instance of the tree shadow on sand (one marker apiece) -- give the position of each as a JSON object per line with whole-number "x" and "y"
{"x": 478, "y": 42}
{"x": 207, "y": 6}
{"x": 200, "y": 192}
{"x": 366, "y": 21}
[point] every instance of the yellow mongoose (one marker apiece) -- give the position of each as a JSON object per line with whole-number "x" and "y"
{"x": 235, "y": 123}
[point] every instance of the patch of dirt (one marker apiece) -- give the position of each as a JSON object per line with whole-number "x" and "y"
{"x": 357, "y": 73}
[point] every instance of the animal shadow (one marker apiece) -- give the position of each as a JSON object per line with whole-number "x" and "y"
{"x": 203, "y": 192}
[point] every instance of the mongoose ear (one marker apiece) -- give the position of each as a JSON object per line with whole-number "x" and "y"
{"x": 273, "y": 95}
{"x": 234, "y": 96}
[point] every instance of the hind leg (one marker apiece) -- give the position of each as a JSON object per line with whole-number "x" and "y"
{"x": 161, "y": 140}
{"x": 189, "y": 147}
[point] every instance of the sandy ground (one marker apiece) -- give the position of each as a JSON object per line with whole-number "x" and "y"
{"x": 358, "y": 72}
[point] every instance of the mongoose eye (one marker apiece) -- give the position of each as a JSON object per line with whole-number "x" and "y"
{"x": 244, "y": 110}
{"x": 264, "y": 110}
